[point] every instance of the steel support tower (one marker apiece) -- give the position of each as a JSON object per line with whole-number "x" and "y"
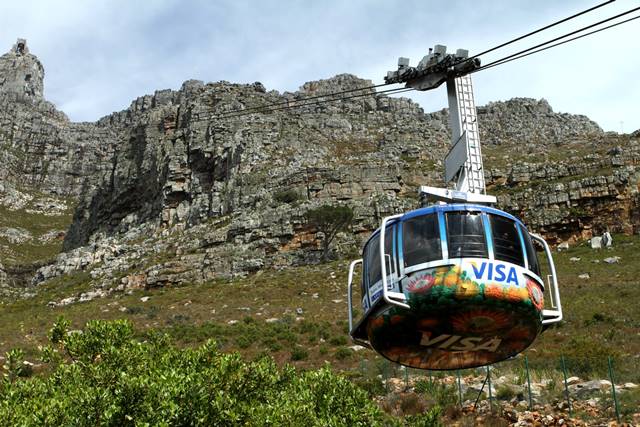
{"x": 463, "y": 163}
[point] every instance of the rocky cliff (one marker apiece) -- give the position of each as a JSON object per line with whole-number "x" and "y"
{"x": 173, "y": 190}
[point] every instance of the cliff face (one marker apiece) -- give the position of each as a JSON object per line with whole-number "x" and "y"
{"x": 172, "y": 190}
{"x": 41, "y": 149}
{"x": 177, "y": 166}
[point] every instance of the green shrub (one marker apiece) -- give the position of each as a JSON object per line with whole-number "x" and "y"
{"x": 287, "y": 196}
{"x": 371, "y": 383}
{"x": 430, "y": 418}
{"x": 504, "y": 392}
{"x": 338, "y": 340}
{"x": 244, "y": 341}
{"x": 299, "y": 353}
{"x": 343, "y": 353}
{"x": 14, "y": 366}
{"x": 629, "y": 401}
{"x": 107, "y": 377}
{"x": 438, "y": 393}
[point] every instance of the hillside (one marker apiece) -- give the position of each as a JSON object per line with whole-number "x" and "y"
{"x": 192, "y": 224}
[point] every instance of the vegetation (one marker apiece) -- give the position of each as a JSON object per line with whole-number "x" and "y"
{"x": 104, "y": 376}
{"x": 258, "y": 315}
{"x": 329, "y": 220}
{"x": 287, "y": 196}
{"x": 37, "y": 225}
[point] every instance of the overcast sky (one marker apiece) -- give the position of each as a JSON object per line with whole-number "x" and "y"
{"x": 100, "y": 55}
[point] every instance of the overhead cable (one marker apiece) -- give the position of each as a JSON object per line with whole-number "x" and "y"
{"x": 546, "y": 27}
{"x": 320, "y": 102}
{"x": 496, "y": 63}
{"x": 557, "y": 38}
{"x": 285, "y": 103}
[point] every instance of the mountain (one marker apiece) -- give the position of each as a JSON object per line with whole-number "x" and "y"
{"x": 175, "y": 189}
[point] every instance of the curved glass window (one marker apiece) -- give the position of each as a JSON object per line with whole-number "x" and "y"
{"x": 532, "y": 257}
{"x": 506, "y": 242}
{"x": 465, "y": 234}
{"x": 388, "y": 250}
{"x": 421, "y": 240}
{"x": 374, "y": 272}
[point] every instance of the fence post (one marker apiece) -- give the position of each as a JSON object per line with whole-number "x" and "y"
{"x": 613, "y": 389}
{"x": 459, "y": 387}
{"x": 490, "y": 395}
{"x": 385, "y": 372}
{"x": 566, "y": 386}
{"x": 526, "y": 367}
{"x": 406, "y": 377}
{"x": 475, "y": 404}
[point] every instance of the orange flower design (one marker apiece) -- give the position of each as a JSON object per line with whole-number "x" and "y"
{"x": 480, "y": 321}
{"x": 493, "y": 291}
{"x": 515, "y": 294}
{"x": 395, "y": 319}
{"x": 428, "y": 323}
{"x": 535, "y": 293}
{"x": 451, "y": 279}
{"x": 467, "y": 289}
{"x": 520, "y": 333}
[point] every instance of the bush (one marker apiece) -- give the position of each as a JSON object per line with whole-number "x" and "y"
{"x": 338, "y": 340}
{"x": 287, "y": 196}
{"x": 440, "y": 394}
{"x": 107, "y": 377}
{"x": 14, "y": 366}
{"x": 299, "y": 354}
{"x": 504, "y": 392}
{"x": 343, "y": 353}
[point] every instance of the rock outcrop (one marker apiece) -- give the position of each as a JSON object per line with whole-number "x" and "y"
{"x": 39, "y": 147}
{"x": 21, "y": 74}
{"x": 181, "y": 187}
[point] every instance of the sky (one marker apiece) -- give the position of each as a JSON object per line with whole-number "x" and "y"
{"x": 100, "y": 55}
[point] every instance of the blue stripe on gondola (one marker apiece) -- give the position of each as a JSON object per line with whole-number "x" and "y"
{"x": 444, "y": 245}
{"x": 524, "y": 248}
{"x": 448, "y": 208}
{"x": 488, "y": 235}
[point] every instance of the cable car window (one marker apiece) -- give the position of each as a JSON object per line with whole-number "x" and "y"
{"x": 421, "y": 240}
{"x": 388, "y": 250}
{"x": 506, "y": 242}
{"x": 534, "y": 265}
{"x": 374, "y": 272}
{"x": 466, "y": 235}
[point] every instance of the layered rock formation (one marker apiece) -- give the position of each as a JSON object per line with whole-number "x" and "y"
{"x": 176, "y": 188}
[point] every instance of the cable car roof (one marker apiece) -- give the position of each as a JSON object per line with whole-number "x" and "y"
{"x": 457, "y": 207}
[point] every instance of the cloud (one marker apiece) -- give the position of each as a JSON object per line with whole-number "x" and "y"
{"x": 100, "y": 55}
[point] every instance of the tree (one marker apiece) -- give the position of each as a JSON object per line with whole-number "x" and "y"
{"x": 329, "y": 220}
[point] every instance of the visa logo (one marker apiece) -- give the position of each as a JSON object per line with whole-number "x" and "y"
{"x": 458, "y": 343}
{"x": 495, "y": 272}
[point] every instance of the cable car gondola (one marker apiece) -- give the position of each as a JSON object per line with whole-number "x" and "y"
{"x": 457, "y": 284}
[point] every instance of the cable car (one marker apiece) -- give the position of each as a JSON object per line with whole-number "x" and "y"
{"x": 457, "y": 284}
{"x": 452, "y": 286}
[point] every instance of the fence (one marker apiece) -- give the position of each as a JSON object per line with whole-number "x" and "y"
{"x": 584, "y": 388}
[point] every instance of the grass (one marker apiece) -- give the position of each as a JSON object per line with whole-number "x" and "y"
{"x": 258, "y": 315}
{"x": 602, "y": 313}
{"x": 37, "y": 224}
{"x": 253, "y": 315}
{"x": 235, "y": 314}
{"x": 576, "y": 151}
